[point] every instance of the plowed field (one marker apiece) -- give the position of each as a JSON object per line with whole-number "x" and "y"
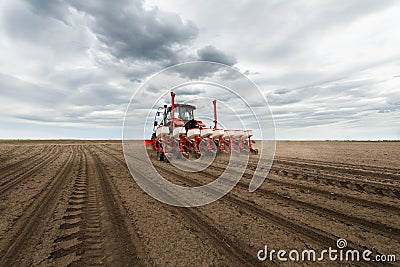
{"x": 75, "y": 203}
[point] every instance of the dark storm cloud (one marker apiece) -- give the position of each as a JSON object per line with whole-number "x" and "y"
{"x": 190, "y": 91}
{"x": 281, "y": 91}
{"x": 128, "y": 29}
{"x": 133, "y": 32}
{"x": 55, "y": 8}
{"x": 211, "y": 53}
{"x": 197, "y": 71}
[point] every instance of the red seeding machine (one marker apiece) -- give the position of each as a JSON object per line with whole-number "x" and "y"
{"x": 177, "y": 133}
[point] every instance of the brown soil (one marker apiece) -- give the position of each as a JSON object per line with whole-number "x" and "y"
{"x": 75, "y": 203}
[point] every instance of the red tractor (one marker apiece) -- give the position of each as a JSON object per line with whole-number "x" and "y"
{"x": 177, "y": 133}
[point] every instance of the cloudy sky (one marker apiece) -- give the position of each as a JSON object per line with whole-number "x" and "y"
{"x": 329, "y": 69}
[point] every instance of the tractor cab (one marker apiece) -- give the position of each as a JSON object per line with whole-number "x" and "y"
{"x": 182, "y": 114}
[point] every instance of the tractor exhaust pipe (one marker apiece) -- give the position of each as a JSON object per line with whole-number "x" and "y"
{"x": 172, "y": 110}
{"x": 215, "y": 114}
{"x": 173, "y": 105}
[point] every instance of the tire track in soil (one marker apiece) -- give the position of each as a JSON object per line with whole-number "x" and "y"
{"x": 366, "y": 170}
{"x": 364, "y": 186}
{"x": 351, "y": 199}
{"x": 16, "y": 167}
{"x": 358, "y": 181}
{"x": 71, "y": 233}
{"x": 343, "y": 182}
{"x": 9, "y": 154}
{"x": 231, "y": 248}
{"x": 95, "y": 230}
{"x": 323, "y": 211}
{"x": 354, "y": 168}
{"x": 40, "y": 162}
{"x": 328, "y": 194}
{"x": 9, "y": 150}
{"x": 248, "y": 174}
{"x": 30, "y": 223}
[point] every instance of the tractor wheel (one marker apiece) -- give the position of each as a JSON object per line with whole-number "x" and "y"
{"x": 163, "y": 157}
{"x": 160, "y": 156}
{"x": 254, "y": 152}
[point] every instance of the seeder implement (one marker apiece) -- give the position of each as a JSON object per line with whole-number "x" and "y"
{"x": 177, "y": 133}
